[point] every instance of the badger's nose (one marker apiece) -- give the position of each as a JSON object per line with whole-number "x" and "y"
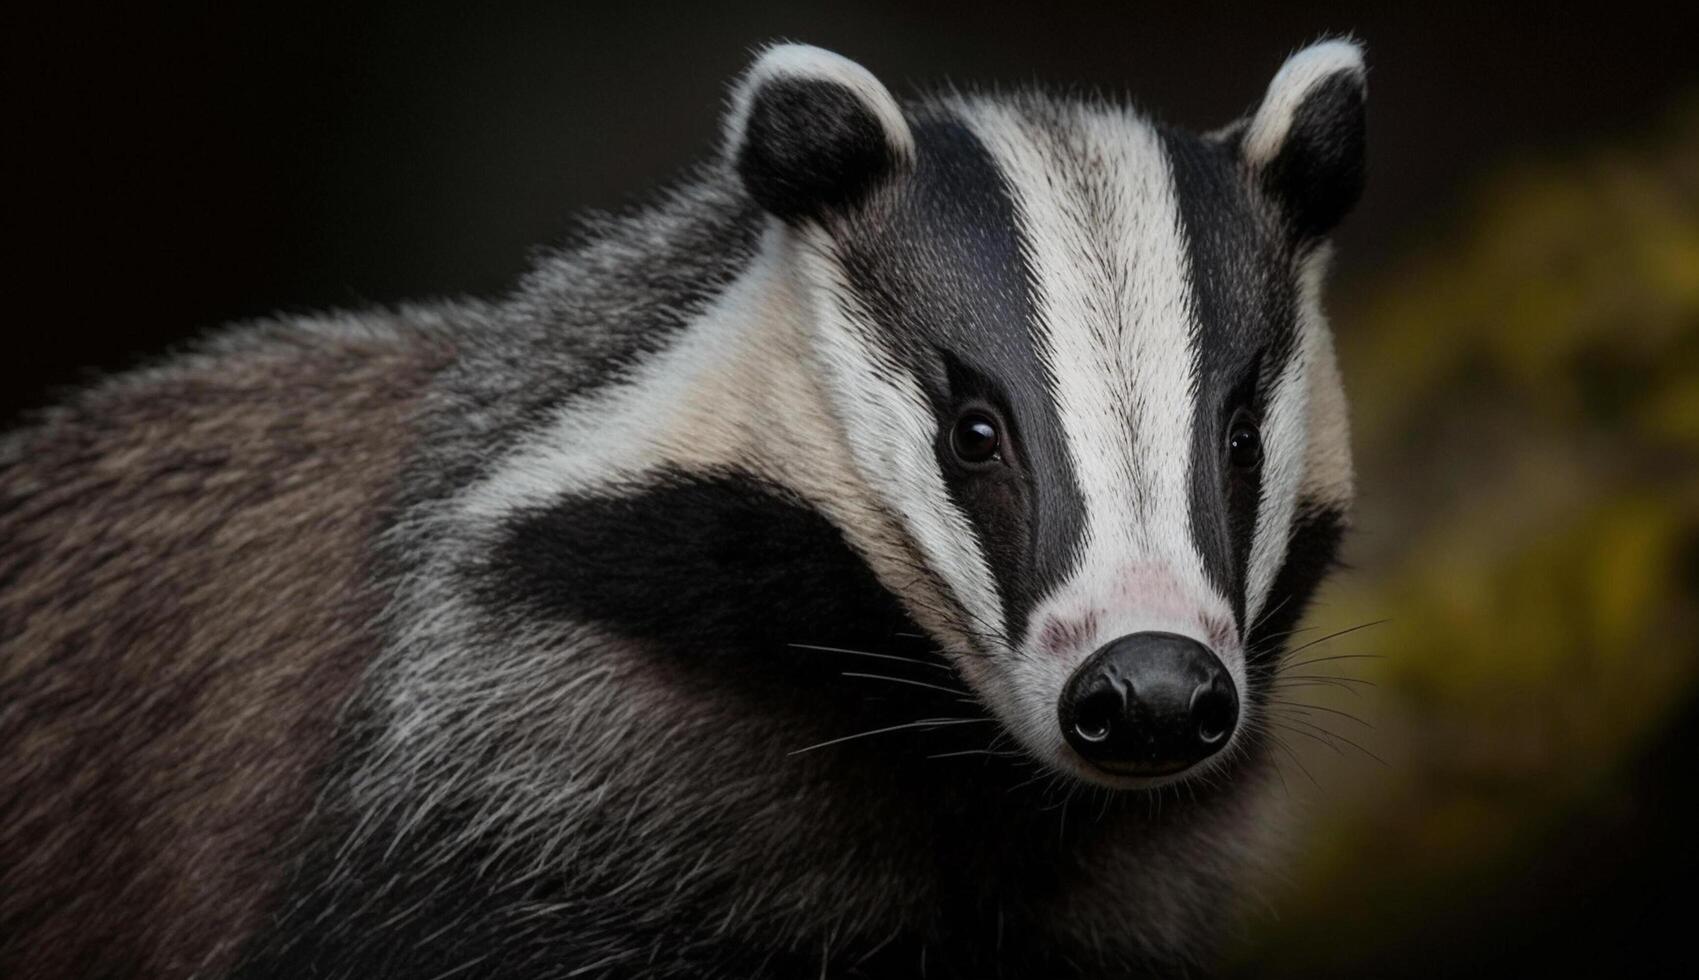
{"x": 1149, "y": 704}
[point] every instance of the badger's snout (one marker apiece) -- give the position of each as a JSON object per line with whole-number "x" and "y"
{"x": 1149, "y": 704}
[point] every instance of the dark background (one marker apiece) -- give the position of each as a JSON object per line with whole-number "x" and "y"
{"x": 169, "y": 171}
{"x": 175, "y": 169}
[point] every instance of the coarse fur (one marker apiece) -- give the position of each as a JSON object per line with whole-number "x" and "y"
{"x": 645, "y": 622}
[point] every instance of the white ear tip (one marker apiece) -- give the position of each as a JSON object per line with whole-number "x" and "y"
{"x": 802, "y": 59}
{"x": 789, "y": 60}
{"x": 1322, "y": 58}
{"x": 1295, "y": 79}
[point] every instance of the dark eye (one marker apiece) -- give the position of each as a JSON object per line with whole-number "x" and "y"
{"x": 1244, "y": 444}
{"x": 974, "y": 438}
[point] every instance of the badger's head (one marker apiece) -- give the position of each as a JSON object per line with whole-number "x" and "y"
{"x": 1079, "y": 358}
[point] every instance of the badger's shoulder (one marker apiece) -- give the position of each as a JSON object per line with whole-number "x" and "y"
{"x": 622, "y": 284}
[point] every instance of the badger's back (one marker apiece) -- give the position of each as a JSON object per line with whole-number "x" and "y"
{"x": 184, "y": 609}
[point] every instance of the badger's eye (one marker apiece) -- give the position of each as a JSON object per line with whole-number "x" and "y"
{"x": 1244, "y": 444}
{"x": 974, "y": 438}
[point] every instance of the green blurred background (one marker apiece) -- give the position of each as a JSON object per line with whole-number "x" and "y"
{"x": 1517, "y": 304}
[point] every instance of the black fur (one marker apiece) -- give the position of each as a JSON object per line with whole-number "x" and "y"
{"x": 1244, "y": 332}
{"x": 811, "y": 146}
{"x": 695, "y": 560}
{"x": 1318, "y": 174}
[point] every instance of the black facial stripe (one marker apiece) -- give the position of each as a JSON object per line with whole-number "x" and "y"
{"x": 1243, "y": 490}
{"x": 938, "y": 263}
{"x": 1244, "y": 294}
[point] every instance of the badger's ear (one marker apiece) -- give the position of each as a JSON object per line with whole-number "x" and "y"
{"x": 1305, "y": 142}
{"x": 812, "y": 131}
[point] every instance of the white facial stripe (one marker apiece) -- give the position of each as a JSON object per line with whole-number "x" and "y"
{"x": 1285, "y": 437}
{"x": 1110, "y": 266}
{"x": 732, "y": 391}
{"x": 700, "y": 383}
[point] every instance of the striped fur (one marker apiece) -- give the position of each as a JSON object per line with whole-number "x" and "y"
{"x": 642, "y": 623}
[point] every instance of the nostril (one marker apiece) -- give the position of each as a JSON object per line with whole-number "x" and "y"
{"x": 1214, "y": 712}
{"x": 1148, "y": 704}
{"x": 1094, "y": 719}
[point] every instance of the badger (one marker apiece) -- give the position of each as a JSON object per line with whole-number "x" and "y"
{"x": 871, "y": 557}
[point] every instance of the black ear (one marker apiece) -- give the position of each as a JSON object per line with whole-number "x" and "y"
{"x": 811, "y": 131}
{"x": 1305, "y": 143}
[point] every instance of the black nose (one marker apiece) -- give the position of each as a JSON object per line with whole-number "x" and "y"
{"x": 1149, "y": 704}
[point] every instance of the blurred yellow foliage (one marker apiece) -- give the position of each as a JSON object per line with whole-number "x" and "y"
{"x": 1526, "y": 403}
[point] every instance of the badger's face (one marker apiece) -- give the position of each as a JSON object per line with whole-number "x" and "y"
{"x": 1080, "y": 359}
